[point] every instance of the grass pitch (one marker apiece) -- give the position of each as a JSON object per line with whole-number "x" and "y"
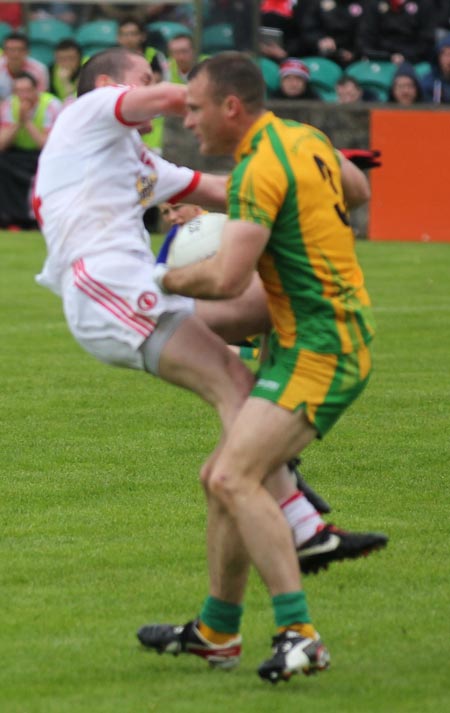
{"x": 102, "y": 518}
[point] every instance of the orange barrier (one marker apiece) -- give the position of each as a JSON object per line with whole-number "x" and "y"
{"x": 411, "y": 192}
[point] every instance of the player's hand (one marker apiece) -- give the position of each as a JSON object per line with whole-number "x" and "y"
{"x": 159, "y": 272}
{"x": 363, "y": 158}
{"x": 164, "y": 249}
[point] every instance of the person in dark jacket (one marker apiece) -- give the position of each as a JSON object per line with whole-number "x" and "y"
{"x": 436, "y": 84}
{"x": 330, "y": 28}
{"x": 397, "y": 31}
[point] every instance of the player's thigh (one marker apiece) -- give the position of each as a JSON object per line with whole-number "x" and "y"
{"x": 237, "y": 318}
{"x": 195, "y": 358}
{"x": 263, "y": 437}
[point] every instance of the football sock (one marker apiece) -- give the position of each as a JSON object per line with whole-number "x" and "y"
{"x": 290, "y": 609}
{"x": 219, "y": 620}
{"x": 306, "y": 630}
{"x": 303, "y": 518}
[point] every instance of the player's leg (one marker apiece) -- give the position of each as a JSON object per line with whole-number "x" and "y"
{"x": 260, "y": 438}
{"x": 183, "y": 351}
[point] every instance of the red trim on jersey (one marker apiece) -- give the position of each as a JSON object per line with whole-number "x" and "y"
{"x": 111, "y": 301}
{"x": 185, "y": 192}
{"x": 118, "y": 111}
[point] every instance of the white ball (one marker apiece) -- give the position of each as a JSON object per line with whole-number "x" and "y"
{"x": 196, "y": 240}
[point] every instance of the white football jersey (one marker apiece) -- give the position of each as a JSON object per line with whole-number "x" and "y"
{"x": 94, "y": 182}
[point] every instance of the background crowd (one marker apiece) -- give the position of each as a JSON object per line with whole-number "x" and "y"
{"x": 341, "y": 51}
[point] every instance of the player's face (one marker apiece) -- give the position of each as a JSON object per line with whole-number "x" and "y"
{"x": 178, "y": 213}
{"x": 139, "y": 74}
{"x": 206, "y": 119}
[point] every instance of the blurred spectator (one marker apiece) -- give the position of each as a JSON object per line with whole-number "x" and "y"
{"x": 397, "y": 30}
{"x": 66, "y": 68}
{"x": 145, "y": 13}
{"x": 133, "y": 36}
{"x": 66, "y": 12}
{"x": 349, "y": 90}
{"x": 294, "y": 81}
{"x": 238, "y": 13}
{"x": 276, "y": 15}
{"x": 11, "y": 12}
{"x": 405, "y": 89}
{"x": 15, "y": 60}
{"x": 436, "y": 84}
{"x": 25, "y": 121}
{"x": 330, "y": 28}
{"x": 442, "y": 24}
{"x": 182, "y": 57}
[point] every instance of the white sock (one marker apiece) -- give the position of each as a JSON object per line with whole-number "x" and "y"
{"x": 302, "y": 517}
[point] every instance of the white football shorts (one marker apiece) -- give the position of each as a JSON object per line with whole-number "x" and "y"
{"x": 112, "y": 305}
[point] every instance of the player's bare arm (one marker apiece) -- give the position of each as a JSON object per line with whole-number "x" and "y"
{"x": 229, "y": 272}
{"x": 211, "y": 191}
{"x": 354, "y": 183}
{"x": 143, "y": 103}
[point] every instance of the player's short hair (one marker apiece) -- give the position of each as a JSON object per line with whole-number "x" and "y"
{"x": 233, "y": 73}
{"x": 115, "y": 62}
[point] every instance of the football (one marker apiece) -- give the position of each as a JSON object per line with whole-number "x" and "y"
{"x": 196, "y": 240}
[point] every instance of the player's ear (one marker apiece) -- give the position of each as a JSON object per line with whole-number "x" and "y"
{"x": 103, "y": 80}
{"x": 232, "y": 105}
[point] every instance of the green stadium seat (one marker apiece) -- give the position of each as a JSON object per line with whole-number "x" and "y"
{"x": 98, "y": 33}
{"x": 373, "y": 75}
{"x": 327, "y": 95}
{"x": 5, "y": 30}
{"x": 324, "y": 73}
{"x": 42, "y": 52}
{"x": 48, "y": 31}
{"x": 218, "y": 38}
{"x": 271, "y": 74}
{"x": 168, "y": 29}
{"x": 422, "y": 68}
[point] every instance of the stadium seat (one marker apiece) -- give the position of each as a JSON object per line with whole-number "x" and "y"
{"x": 48, "y": 31}
{"x": 98, "y": 34}
{"x": 422, "y": 68}
{"x": 324, "y": 73}
{"x": 327, "y": 95}
{"x": 168, "y": 29}
{"x": 373, "y": 75}
{"x": 217, "y": 38}
{"x": 271, "y": 74}
{"x": 42, "y": 52}
{"x": 5, "y": 30}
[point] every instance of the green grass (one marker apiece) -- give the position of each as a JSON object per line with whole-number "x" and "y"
{"x": 102, "y": 517}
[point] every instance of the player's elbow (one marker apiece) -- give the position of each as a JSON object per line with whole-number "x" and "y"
{"x": 231, "y": 285}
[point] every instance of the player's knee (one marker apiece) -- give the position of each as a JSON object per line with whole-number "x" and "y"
{"x": 227, "y": 488}
{"x": 205, "y": 472}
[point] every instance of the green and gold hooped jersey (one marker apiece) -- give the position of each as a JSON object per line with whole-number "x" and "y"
{"x": 288, "y": 178}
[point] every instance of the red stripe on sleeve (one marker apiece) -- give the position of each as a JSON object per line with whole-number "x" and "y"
{"x": 185, "y": 192}
{"x": 118, "y": 112}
